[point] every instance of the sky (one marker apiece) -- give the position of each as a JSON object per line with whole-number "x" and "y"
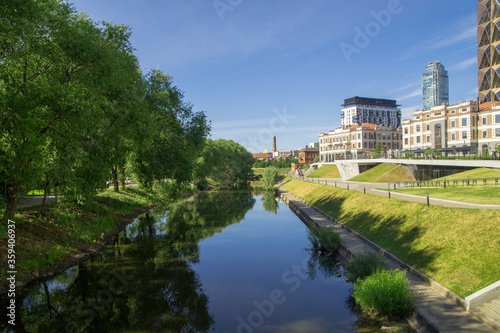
{"x": 264, "y": 68}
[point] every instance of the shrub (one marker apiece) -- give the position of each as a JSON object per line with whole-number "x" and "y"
{"x": 364, "y": 265}
{"x": 270, "y": 178}
{"x": 385, "y": 293}
{"x": 329, "y": 238}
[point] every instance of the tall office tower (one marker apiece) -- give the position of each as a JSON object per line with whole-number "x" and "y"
{"x": 488, "y": 53}
{"x": 378, "y": 111}
{"x": 435, "y": 87}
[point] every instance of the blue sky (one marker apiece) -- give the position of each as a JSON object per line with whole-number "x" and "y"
{"x": 261, "y": 68}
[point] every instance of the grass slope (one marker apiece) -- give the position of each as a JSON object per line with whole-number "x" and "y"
{"x": 459, "y": 248}
{"x": 477, "y": 195}
{"x": 45, "y": 241}
{"x": 326, "y": 171}
{"x": 385, "y": 173}
{"x": 475, "y": 173}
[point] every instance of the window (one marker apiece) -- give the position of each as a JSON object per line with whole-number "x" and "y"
{"x": 453, "y": 136}
{"x": 464, "y": 134}
{"x": 359, "y": 144}
{"x": 428, "y": 138}
{"x": 497, "y": 132}
{"x": 418, "y": 139}
{"x": 406, "y": 130}
{"x": 485, "y": 134}
{"x": 428, "y": 127}
{"x": 453, "y": 124}
{"x": 418, "y": 128}
{"x": 406, "y": 141}
{"x": 497, "y": 118}
{"x": 485, "y": 120}
{"x": 464, "y": 121}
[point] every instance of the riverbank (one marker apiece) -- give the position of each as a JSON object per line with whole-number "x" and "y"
{"x": 456, "y": 247}
{"x": 433, "y": 312}
{"x": 68, "y": 234}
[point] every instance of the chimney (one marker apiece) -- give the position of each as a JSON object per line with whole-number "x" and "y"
{"x": 274, "y": 144}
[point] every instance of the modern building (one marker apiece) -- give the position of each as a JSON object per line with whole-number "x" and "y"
{"x": 448, "y": 128}
{"x": 361, "y": 110}
{"x": 488, "y": 53}
{"x": 435, "y": 86}
{"x": 358, "y": 141}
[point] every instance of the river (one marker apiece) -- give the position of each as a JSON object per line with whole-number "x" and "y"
{"x": 220, "y": 262}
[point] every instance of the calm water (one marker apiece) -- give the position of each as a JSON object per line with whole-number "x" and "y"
{"x": 222, "y": 262}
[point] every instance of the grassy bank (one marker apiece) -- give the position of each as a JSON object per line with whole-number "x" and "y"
{"x": 45, "y": 241}
{"x": 385, "y": 173}
{"x": 456, "y": 247}
{"x": 326, "y": 171}
{"x": 476, "y": 195}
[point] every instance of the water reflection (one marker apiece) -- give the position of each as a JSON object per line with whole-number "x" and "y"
{"x": 145, "y": 282}
{"x": 270, "y": 202}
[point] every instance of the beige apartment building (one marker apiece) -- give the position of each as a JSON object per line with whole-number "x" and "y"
{"x": 455, "y": 129}
{"x": 358, "y": 141}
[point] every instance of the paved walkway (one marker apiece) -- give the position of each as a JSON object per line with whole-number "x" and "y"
{"x": 434, "y": 312}
{"x": 376, "y": 188}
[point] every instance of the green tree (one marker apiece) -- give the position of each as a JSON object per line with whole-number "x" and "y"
{"x": 270, "y": 177}
{"x": 226, "y": 162}
{"x": 170, "y": 136}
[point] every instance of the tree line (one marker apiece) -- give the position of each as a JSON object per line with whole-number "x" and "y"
{"x": 76, "y": 109}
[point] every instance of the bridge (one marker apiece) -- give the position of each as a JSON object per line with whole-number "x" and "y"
{"x": 421, "y": 169}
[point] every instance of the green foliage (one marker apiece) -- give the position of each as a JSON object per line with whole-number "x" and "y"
{"x": 329, "y": 238}
{"x": 385, "y": 293}
{"x": 326, "y": 238}
{"x": 497, "y": 148}
{"x": 270, "y": 178}
{"x": 77, "y": 112}
{"x": 226, "y": 162}
{"x": 278, "y": 163}
{"x": 364, "y": 265}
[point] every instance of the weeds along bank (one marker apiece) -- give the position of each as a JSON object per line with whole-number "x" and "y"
{"x": 456, "y": 247}
{"x": 68, "y": 233}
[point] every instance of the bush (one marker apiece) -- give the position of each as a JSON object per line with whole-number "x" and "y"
{"x": 364, "y": 265}
{"x": 329, "y": 238}
{"x": 385, "y": 293}
{"x": 270, "y": 178}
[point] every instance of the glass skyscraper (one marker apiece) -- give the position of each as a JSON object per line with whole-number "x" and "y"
{"x": 488, "y": 50}
{"x": 435, "y": 87}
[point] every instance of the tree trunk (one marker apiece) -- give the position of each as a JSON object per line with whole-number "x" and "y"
{"x": 116, "y": 184}
{"x": 45, "y": 192}
{"x": 12, "y": 193}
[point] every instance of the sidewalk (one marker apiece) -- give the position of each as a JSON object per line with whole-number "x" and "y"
{"x": 376, "y": 188}
{"x": 434, "y": 312}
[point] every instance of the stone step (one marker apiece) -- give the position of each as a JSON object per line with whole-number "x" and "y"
{"x": 489, "y": 314}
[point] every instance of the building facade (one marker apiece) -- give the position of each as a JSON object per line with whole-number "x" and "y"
{"x": 361, "y": 110}
{"x": 435, "y": 86}
{"x": 358, "y": 141}
{"x": 489, "y": 127}
{"x": 488, "y": 54}
{"x": 307, "y": 156}
{"x": 462, "y": 128}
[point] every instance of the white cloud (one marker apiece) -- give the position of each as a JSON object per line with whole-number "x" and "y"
{"x": 464, "y": 64}
{"x": 414, "y": 93}
{"x": 467, "y": 31}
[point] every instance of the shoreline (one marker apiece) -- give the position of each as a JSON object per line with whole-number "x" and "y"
{"x": 84, "y": 252}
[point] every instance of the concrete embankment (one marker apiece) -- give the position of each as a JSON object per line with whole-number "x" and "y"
{"x": 437, "y": 308}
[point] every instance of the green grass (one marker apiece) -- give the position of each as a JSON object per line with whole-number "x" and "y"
{"x": 326, "y": 171}
{"x": 474, "y": 173}
{"x": 44, "y": 240}
{"x": 385, "y": 173}
{"x": 456, "y": 247}
{"x": 476, "y": 195}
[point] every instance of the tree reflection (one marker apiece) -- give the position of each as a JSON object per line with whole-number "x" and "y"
{"x": 145, "y": 282}
{"x": 269, "y": 202}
